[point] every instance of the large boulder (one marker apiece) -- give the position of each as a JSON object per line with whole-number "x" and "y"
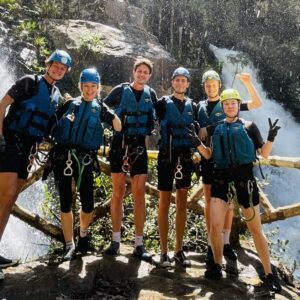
{"x": 111, "y": 50}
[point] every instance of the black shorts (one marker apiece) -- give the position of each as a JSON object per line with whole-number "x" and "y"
{"x": 241, "y": 179}
{"x": 15, "y": 158}
{"x": 64, "y": 183}
{"x": 207, "y": 170}
{"x": 167, "y": 171}
{"x": 137, "y": 156}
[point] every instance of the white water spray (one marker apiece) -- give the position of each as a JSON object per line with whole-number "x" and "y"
{"x": 284, "y": 186}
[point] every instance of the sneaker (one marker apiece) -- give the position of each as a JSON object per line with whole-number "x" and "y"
{"x": 5, "y": 262}
{"x": 209, "y": 259}
{"x": 165, "y": 261}
{"x": 1, "y": 275}
{"x": 181, "y": 258}
{"x": 141, "y": 253}
{"x": 228, "y": 252}
{"x": 272, "y": 283}
{"x": 113, "y": 248}
{"x": 83, "y": 244}
{"x": 69, "y": 254}
{"x": 214, "y": 271}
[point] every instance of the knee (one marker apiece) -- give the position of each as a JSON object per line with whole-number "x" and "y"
{"x": 216, "y": 228}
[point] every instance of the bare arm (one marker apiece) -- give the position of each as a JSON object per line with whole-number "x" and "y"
{"x": 205, "y": 151}
{"x": 266, "y": 149}
{"x": 255, "y": 100}
{"x": 4, "y": 103}
{"x": 117, "y": 123}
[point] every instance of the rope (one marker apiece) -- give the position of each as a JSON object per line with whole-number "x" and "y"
{"x": 232, "y": 197}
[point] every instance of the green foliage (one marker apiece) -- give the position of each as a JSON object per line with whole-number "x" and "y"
{"x": 90, "y": 43}
{"x": 49, "y": 8}
{"x": 7, "y": 3}
{"x": 28, "y": 27}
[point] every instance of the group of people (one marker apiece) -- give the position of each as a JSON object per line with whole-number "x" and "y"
{"x": 228, "y": 146}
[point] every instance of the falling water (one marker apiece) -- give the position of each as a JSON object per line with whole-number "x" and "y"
{"x": 20, "y": 241}
{"x": 283, "y": 188}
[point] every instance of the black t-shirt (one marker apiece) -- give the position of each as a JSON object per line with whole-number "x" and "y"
{"x": 161, "y": 107}
{"x": 252, "y": 131}
{"x": 26, "y": 87}
{"x": 113, "y": 99}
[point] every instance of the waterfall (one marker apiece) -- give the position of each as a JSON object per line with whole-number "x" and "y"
{"x": 20, "y": 241}
{"x": 283, "y": 188}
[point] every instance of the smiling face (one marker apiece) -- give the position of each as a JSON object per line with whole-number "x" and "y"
{"x": 180, "y": 84}
{"x": 56, "y": 70}
{"x": 231, "y": 107}
{"x": 141, "y": 75}
{"x": 90, "y": 91}
{"x": 212, "y": 89}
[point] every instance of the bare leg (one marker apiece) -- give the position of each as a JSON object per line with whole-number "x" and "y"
{"x": 163, "y": 220}
{"x": 218, "y": 210}
{"x": 181, "y": 202}
{"x": 138, "y": 191}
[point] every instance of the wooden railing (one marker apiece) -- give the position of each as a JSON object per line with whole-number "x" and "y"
{"x": 269, "y": 215}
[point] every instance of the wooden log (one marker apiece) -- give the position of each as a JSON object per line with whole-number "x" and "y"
{"x": 38, "y": 222}
{"x": 197, "y": 193}
{"x": 265, "y": 203}
{"x": 281, "y": 213}
{"x": 279, "y": 161}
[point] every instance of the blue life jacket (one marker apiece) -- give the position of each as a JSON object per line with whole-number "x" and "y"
{"x": 137, "y": 117}
{"x": 174, "y": 125}
{"x": 81, "y": 125}
{"x": 232, "y": 145}
{"x": 31, "y": 116}
{"x": 216, "y": 115}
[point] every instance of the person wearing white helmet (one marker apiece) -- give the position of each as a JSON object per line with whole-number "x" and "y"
{"x": 32, "y": 101}
{"x": 210, "y": 112}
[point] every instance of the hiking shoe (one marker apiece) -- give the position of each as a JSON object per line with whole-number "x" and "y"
{"x": 113, "y": 248}
{"x": 141, "y": 253}
{"x": 5, "y": 262}
{"x": 83, "y": 244}
{"x": 69, "y": 254}
{"x": 272, "y": 283}
{"x": 214, "y": 271}
{"x": 1, "y": 275}
{"x": 181, "y": 258}
{"x": 228, "y": 252}
{"x": 165, "y": 261}
{"x": 209, "y": 259}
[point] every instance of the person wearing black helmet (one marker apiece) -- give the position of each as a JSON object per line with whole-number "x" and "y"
{"x": 77, "y": 137}
{"x": 176, "y": 115}
{"x": 210, "y": 112}
{"x": 134, "y": 103}
{"x": 32, "y": 101}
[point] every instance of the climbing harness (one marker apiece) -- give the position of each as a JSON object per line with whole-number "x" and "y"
{"x": 68, "y": 171}
{"x": 85, "y": 161}
{"x": 233, "y": 202}
{"x": 130, "y": 158}
{"x": 36, "y": 158}
{"x": 178, "y": 172}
